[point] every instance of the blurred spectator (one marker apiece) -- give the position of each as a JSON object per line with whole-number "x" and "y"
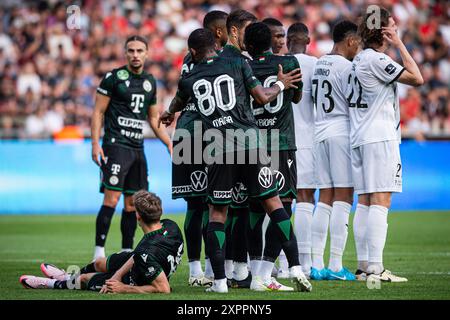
{"x": 48, "y": 74}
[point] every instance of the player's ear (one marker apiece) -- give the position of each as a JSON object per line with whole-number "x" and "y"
{"x": 308, "y": 40}
{"x": 193, "y": 53}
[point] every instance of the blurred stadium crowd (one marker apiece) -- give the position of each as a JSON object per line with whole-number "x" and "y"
{"x": 48, "y": 73}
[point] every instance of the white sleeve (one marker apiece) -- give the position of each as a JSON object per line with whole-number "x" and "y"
{"x": 386, "y": 69}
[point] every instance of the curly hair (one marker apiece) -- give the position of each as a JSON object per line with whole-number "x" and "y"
{"x": 148, "y": 206}
{"x": 371, "y": 33}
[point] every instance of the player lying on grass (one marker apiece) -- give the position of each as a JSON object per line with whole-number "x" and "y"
{"x": 145, "y": 270}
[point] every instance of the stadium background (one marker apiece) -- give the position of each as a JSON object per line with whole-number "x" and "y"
{"x": 48, "y": 77}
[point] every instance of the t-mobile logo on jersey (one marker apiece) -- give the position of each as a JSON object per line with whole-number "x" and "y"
{"x": 115, "y": 168}
{"x": 137, "y": 102}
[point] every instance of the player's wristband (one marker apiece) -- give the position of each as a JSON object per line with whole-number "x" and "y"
{"x": 280, "y": 84}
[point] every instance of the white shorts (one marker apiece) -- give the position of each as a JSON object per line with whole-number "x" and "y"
{"x": 377, "y": 167}
{"x": 305, "y": 168}
{"x": 333, "y": 166}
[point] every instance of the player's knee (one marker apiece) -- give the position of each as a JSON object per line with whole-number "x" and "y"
{"x": 326, "y": 196}
{"x": 84, "y": 279}
{"x": 100, "y": 265}
{"x": 111, "y": 199}
{"x": 305, "y": 195}
{"x": 271, "y": 204}
{"x": 129, "y": 204}
{"x": 218, "y": 214}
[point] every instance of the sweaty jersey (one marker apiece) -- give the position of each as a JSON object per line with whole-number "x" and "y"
{"x": 219, "y": 87}
{"x": 329, "y": 83}
{"x": 158, "y": 251}
{"x": 131, "y": 95}
{"x": 304, "y": 112}
{"x": 188, "y": 115}
{"x": 278, "y": 114}
{"x": 373, "y": 98}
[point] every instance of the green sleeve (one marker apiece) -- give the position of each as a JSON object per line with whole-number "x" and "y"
{"x": 249, "y": 79}
{"x": 106, "y": 85}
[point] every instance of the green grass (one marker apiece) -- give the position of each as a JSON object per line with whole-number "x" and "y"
{"x": 418, "y": 247}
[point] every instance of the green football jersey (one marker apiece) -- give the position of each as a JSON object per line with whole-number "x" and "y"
{"x": 131, "y": 95}
{"x": 219, "y": 87}
{"x": 278, "y": 114}
{"x": 158, "y": 251}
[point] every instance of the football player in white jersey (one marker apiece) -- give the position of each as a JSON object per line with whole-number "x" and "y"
{"x": 297, "y": 41}
{"x": 375, "y": 136}
{"x": 333, "y": 169}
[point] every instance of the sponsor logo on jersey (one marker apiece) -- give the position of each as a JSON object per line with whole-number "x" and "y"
{"x": 222, "y": 194}
{"x": 390, "y": 69}
{"x": 137, "y": 102}
{"x": 147, "y": 86}
{"x": 265, "y": 178}
{"x": 123, "y": 74}
{"x": 189, "y": 107}
{"x": 237, "y": 193}
{"x": 199, "y": 180}
{"x": 131, "y": 123}
{"x": 114, "y": 180}
{"x": 181, "y": 189}
{"x": 280, "y": 180}
{"x": 134, "y": 135}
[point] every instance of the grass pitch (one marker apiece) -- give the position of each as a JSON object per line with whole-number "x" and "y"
{"x": 418, "y": 247}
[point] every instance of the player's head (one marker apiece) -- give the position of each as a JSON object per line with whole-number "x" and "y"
{"x": 257, "y": 38}
{"x": 237, "y": 21}
{"x": 216, "y": 21}
{"x": 345, "y": 35}
{"x": 136, "y": 51}
{"x": 200, "y": 42}
{"x": 297, "y": 37}
{"x": 370, "y": 28}
{"x": 278, "y": 34}
{"x": 148, "y": 207}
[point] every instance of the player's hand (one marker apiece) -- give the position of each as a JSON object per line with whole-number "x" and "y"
{"x": 289, "y": 79}
{"x": 391, "y": 36}
{"x": 166, "y": 118}
{"x": 115, "y": 286}
{"x": 104, "y": 289}
{"x": 96, "y": 152}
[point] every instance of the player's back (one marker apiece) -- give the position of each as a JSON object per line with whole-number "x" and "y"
{"x": 373, "y": 99}
{"x": 329, "y": 83}
{"x": 158, "y": 251}
{"x": 278, "y": 114}
{"x": 304, "y": 112}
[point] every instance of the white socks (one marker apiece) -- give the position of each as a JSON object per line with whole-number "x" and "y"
{"x": 265, "y": 270}
{"x": 359, "y": 232}
{"x": 283, "y": 263}
{"x": 99, "y": 252}
{"x": 376, "y": 237}
{"x": 302, "y": 225}
{"x": 320, "y": 222}
{"x": 254, "y": 267}
{"x": 195, "y": 268}
{"x": 209, "y": 273}
{"x": 338, "y": 233}
{"x": 229, "y": 269}
{"x": 240, "y": 271}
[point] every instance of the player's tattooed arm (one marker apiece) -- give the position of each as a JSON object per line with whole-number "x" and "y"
{"x": 101, "y": 104}
{"x": 177, "y": 104}
{"x": 284, "y": 81}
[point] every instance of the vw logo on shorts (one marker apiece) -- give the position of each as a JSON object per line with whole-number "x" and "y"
{"x": 280, "y": 179}
{"x": 265, "y": 177}
{"x": 198, "y": 180}
{"x": 237, "y": 195}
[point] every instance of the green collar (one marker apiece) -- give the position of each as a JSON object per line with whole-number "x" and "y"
{"x": 209, "y": 60}
{"x": 135, "y": 74}
{"x": 232, "y": 47}
{"x": 161, "y": 230}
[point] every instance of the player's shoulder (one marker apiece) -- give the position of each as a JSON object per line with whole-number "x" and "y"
{"x": 120, "y": 73}
{"x": 170, "y": 225}
{"x": 306, "y": 61}
{"x": 370, "y": 56}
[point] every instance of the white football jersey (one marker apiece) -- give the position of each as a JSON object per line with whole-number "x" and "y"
{"x": 329, "y": 83}
{"x": 304, "y": 110}
{"x": 373, "y": 99}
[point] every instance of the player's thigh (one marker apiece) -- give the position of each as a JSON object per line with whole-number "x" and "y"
{"x": 357, "y": 170}
{"x": 137, "y": 176}
{"x": 115, "y": 261}
{"x": 305, "y": 169}
{"x": 322, "y": 170}
{"x": 97, "y": 280}
{"x": 340, "y": 162}
{"x": 115, "y": 168}
{"x": 382, "y": 168}
{"x": 221, "y": 180}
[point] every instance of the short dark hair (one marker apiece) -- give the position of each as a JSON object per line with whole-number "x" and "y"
{"x": 369, "y": 34}
{"x": 148, "y": 206}
{"x": 342, "y": 29}
{"x": 212, "y": 17}
{"x": 238, "y": 18}
{"x": 258, "y": 36}
{"x": 201, "y": 40}
{"x": 272, "y": 22}
{"x": 297, "y": 27}
{"x": 136, "y": 38}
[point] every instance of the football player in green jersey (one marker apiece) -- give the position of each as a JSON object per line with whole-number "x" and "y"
{"x": 220, "y": 87}
{"x": 125, "y": 100}
{"x": 145, "y": 270}
{"x": 277, "y": 118}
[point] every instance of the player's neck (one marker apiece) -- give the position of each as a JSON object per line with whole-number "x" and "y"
{"x": 297, "y": 48}
{"x": 338, "y": 50}
{"x": 135, "y": 70}
{"x": 152, "y": 227}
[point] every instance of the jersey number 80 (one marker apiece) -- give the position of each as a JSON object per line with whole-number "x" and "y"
{"x": 203, "y": 90}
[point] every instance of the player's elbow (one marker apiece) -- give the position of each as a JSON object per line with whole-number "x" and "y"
{"x": 418, "y": 81}
{"x": 262, "y": 100}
